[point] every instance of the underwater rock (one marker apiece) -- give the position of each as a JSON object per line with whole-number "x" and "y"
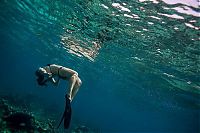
{"x": 82, "y": 129}
{"x": 20, "y": 121}
{"x": 14, "y": 120}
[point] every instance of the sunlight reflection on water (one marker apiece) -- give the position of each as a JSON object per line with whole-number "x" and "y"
{"x": 185, "y": 8}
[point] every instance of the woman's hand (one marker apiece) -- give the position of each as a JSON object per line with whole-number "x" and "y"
{"x": 47, "y": 75}
{"x": 50, "y": 75}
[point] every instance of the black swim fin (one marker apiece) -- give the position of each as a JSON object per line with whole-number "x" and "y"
{"x": 66, "y": 115}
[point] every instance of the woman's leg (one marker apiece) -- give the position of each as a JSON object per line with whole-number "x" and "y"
{"x": 76, "y": 87}
{"x": 72, "y": 83}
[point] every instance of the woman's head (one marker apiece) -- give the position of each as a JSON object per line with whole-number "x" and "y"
{"x": 40, "y": 74}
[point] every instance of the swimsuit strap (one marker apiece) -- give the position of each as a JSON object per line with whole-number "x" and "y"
{"x": 59, "y": 71}
{"x": 49, "y": 65}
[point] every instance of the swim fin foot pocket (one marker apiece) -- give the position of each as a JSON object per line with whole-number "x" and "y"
{"x": 67, "y": 114}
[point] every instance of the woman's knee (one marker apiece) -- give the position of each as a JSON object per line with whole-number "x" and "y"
{"x": 74, "y": 76}
{"x": 79, "y": 82}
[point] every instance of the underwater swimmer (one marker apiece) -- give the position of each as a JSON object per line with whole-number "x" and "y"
{"x": 53, "y": 73}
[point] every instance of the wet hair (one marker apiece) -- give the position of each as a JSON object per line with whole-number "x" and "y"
{"x": 40, "y": 78}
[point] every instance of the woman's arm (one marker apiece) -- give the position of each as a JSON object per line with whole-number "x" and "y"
{"x": 54, "y": 81}
{"x": 46, "y": 80}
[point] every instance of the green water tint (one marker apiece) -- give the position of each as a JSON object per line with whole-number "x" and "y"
{"x": 137, "y": 35}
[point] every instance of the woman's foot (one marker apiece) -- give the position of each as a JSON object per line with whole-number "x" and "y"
{"x": 68, "y": 98}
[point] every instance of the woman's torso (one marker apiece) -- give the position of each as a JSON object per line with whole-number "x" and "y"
{"x": 60, "y": 71}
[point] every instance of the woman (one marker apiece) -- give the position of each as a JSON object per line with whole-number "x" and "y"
{"x": 49, "y": 73}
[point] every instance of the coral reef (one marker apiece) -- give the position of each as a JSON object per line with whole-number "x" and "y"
{"x": 17, "y": 121}
{"x": 21, "y": 114}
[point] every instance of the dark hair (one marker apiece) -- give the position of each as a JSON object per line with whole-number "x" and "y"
{"x": 40, "y": 78}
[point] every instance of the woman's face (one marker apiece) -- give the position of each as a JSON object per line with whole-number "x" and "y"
{"x": 44, "y": 72}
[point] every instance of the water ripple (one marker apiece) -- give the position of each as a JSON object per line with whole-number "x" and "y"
{"x": 153, "y": 35}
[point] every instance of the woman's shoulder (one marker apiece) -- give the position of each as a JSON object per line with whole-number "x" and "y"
{"x": 55, "y": 65}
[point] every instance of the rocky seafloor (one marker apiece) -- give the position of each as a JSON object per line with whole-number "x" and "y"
{"x": 16, "y": 118}
{"x": 12, "y": 119}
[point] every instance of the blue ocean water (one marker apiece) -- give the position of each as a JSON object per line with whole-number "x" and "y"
{"x": 139, "y": 61}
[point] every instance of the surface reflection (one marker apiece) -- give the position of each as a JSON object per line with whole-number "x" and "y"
{"x": 80, "y": 48}
{"x": 189, "y": 7}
